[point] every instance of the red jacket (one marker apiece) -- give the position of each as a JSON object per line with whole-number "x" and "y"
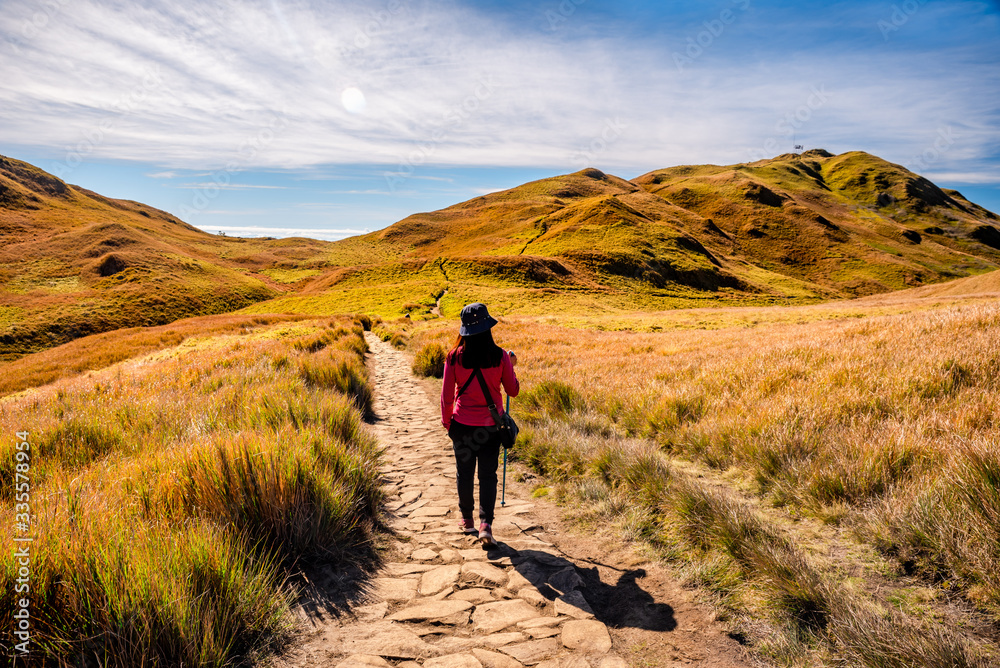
{"x": 471, "y": 408}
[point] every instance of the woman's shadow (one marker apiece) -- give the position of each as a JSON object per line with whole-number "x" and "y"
{"x": 623, "y": 604}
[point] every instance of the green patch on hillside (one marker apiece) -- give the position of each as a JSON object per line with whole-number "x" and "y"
{"x": 286, "y": 275}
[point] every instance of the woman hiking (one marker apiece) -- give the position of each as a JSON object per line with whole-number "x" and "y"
{"x": 466, "y": 415}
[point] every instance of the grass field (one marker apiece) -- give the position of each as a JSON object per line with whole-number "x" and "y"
{"x": 173, "y": 494}
{"x": 831, "y": 472}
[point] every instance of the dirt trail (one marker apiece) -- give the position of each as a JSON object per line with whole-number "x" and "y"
{"x": 436, "y": 309}
{"x": 442, "y": 601}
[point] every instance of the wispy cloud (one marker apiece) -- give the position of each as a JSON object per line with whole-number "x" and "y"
{"x": 369, "y": 192}
{"x": 230, "y": 186}
{"x": 325, "y": 234}
{"x": 195, "y": 86}
{"x": 975, "y": 178}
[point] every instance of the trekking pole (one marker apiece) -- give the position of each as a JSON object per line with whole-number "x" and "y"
{"x": 503, "y": 493}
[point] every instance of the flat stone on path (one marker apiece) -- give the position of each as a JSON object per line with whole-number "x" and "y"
{"x": 449, "y": 556}
{"x": 385, "y": 640}
{"x": 371, "y": 613}
{"x": 424, "y": 554}
{"x": 500, "y": 639}
{"x": 533, "y": 651}
{"x": 481, "y": 573}
{"x": 540, "y": 621}
{"x": 524, "y": 576}
{"x": 454, "y": 661}
{"x": 395, "y": 589}
{"x": 406, "y": 569}
{"x": 492, "y": 617}
{"x": 532, "y": 596}
{"x": 495, "y": 659}
{"x": 456, "y": 644}
{"x": 572, "y": 661}
{"x": 542, "y": 632}
{"x": 575, "y": 605}
{"x": 612, "y": 662}
{"x": 588, "y": 635}
{"x": 430, "y": 511}
{"x": 439, "y": 579}
{"x": 475, "y": 596}
{"x": 432, "y": 610}
{"x": 364, "y": 661}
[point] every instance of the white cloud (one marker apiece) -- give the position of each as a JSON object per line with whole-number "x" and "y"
{"x": 259, "y": 83}
{"x": 972, "y": 178}
{"x": 230, "y": 186}
{"x": 325, "y": 234}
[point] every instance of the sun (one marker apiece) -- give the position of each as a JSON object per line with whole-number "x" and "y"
{"x": 353, "y": 100}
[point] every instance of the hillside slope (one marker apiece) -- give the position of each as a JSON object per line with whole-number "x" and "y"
{"x": 807, "y": 226}
{"x": 852, "y": 222}
{"x": 74, "y": 263}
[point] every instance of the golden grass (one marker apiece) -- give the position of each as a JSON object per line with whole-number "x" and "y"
{"x": 174, "y": 493}
{"x": 102, "y": 350}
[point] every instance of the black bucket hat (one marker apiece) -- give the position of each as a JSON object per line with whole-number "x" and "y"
{"x": 475, "y": 320}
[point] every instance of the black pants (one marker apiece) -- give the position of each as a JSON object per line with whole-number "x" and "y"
{"x": 472, "y": 445}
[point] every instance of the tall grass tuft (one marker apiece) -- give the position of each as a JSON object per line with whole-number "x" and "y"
{"x": 286, "y": 499}
{"x": 335, "y": 371}
{"x": 550, "y": 398}
{"x": 429, "y": 361}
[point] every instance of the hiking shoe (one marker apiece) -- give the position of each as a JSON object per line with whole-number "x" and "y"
{"x": 467, "y": 526}
{"x": 486, "y": 534}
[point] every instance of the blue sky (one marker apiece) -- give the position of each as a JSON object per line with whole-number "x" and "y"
{"x": 325, "y": 119}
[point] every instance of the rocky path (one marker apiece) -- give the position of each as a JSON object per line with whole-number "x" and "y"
{"x": 443, "y": 601}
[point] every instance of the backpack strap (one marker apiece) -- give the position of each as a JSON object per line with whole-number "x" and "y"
{"x": 466, "y": 386}
{"x": 494, "y": 413}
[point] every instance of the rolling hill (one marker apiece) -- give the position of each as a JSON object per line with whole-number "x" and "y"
{"x": 75, "y": 263}
{"x": 798, "y": 227}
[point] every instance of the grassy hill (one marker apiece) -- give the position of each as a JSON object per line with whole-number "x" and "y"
{"x": 75, "y": 263}
{"x": 796, "y": 228}
{"x": 852, "y": 222}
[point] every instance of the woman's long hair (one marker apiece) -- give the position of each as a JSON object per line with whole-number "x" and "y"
{"x": 478, "y": 350}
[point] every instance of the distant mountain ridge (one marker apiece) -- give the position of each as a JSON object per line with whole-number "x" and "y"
{"x": 797, "y": 227}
